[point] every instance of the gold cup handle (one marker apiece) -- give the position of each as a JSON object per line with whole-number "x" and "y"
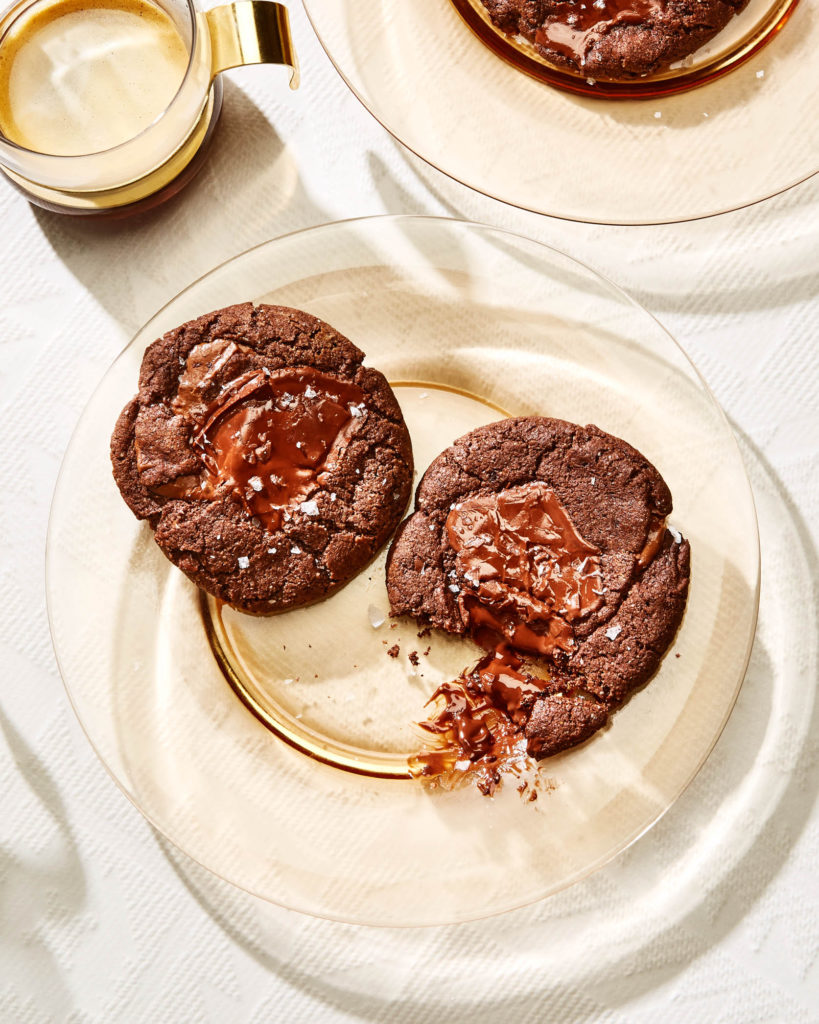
{"x": 251, "y": 32}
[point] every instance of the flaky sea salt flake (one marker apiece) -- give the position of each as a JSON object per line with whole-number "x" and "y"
{"x": 244, "y": 562}
{"x": 613, "y": 632}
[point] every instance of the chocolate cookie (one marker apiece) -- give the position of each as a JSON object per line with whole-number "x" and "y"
{"x": 270, "y": 463}
{"x": 546, "y": 539}
{"x": 615, "y": 40}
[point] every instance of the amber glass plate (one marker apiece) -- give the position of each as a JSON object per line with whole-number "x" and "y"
{"x": 731, "y": 128}
{"x": 273, "y": 751}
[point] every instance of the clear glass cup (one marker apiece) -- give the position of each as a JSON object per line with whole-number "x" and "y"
{"x": 157, "y": 161}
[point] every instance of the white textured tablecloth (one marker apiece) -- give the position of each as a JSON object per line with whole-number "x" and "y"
{"x": 713, "y": 916}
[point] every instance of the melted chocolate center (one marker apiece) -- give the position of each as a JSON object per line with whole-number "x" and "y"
{"x": 524, "y": 570}
{"x": 656, "y": 532}
{"x": 573, "y": 26}
{"x": 270, "y": 436}
{"x": 525, "y": 574}
{"x": 479, "y": 723}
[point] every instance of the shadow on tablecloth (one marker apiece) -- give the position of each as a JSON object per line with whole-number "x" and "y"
{"x": 712, "y": 267}
{"x": 248, "y": 191}
{"x": 32, "y": 888}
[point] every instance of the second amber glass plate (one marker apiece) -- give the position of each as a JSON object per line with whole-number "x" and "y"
{"x": 735, "y": 127}
{"x": 742, "y": 38}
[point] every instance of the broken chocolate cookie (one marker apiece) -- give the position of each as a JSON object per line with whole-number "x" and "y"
{"x": 544, "y": 541}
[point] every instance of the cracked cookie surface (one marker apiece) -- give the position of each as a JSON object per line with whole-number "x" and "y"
{"x": 271, "y": 464}
{"x": 616, "y": 40}
{"x": 596, "y": 578}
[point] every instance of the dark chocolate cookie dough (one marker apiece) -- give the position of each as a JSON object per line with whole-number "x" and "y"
{"x": 614, "y": 39}
{"x": 548, "y": 539}
{"x": 270, "y": 463}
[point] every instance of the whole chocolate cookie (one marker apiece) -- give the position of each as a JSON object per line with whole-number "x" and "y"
{"x": 270, "y": 463}
{"x": 546, "y": 539}
{"x": 615, "y": 40}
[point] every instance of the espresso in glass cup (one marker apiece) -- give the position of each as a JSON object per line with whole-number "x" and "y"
{"x": 108, "y": 104}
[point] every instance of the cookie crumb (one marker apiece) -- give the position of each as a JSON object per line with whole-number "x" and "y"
{"x": 394, "y": 651}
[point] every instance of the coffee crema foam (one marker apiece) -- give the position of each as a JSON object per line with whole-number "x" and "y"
{"x": 80, "y": 77}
